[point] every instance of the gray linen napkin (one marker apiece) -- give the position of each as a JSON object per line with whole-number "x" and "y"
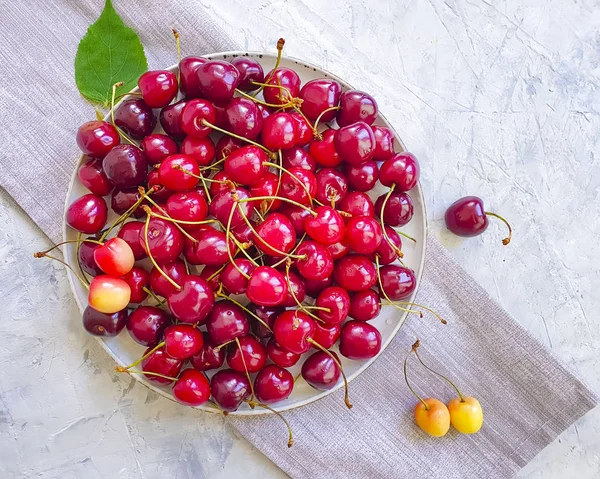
{"x": 527, "y": 396}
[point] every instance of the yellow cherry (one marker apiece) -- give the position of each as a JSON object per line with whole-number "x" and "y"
{"x": 466, "y": 415}
{"x": 432, "y": 416}
{"x": 108, "y": 294}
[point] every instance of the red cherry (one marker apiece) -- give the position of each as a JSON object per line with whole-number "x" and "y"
{"x": 355, "y": 273}
{"x": 135, "y": 117}
{"x": 355, "y": 143}
{"x": 209, "y": 357}
{"x": 356, "y": 106}
{"x": 304, "y": 132}
{"x": 146, "y": 325}
{"x": 226, "y": 322}
{"x": 384, "y": 143}
{"x": 193, "y": 302}
{"x": 170, "y": 119}
{"x": 108, "y": 294}
{"x": 315, "y": 286}
{"x": 291, "y": 185}
{"x": 86, "y": 257}
{"x": 229, "y": 389}
{"x": 125, "y": 166}
{"x": 338, "y": 250}
{"x": 321, "y": 371}
{"x": 337, "y": 301}
{"x": 246, "y": 165}
{"x": 331, "y": 186}
{"x": 188, "y": 80}
{"x": 243, "y": 233}
{"x": 364, "y": 305}
{"x": 282, "y": 77}
{"x": 293, "y": 329}
{"x": 467, "y": 217}
{"x": 279, "y": 131}
{"x": 359, "y": 340}
{"x": 226, "y": 201}
{"x": 157, "y": 147}
{"x": 327, "y": 227}
{"x": 267, "y": 314}
{"x": 385, "y": 252}
{"x": 398, "y": 282}
{"x": 318, "y": 263}
{"x": 187, "y": 206}
{"x": 276, "y": 231}
{"x": 160, "y": 285}
{"x": 123, "y": 199}
{"x": 401, "y": 170}
{"x": 104, "y": 324}
{"x": 212, "y": 276}
{"x": 273, "y": 384}
{"x": 297, "y": 157}
{"x": 210, "y": 248}
{"x": 114, "y": 257}
{"x": 250, "y": 71}
{"x": 297, "y": 216}
{"x": 363, "y": 234}
{"x": 97, "y": 138}
{"x": 357, "y": 203}
{"x": 91, "y": 175}
{"x": 192, "y": 388}
{"x": 182, "y": 341}
{"x": 362, "y": 177}
{"x": 217, "y": 80}
{"x": 319, "y": 95}
{"x": 398, "y": 211}
{"x": 267, "y": 186}
{"x": 137, "y": 279}
{"x": 267, "y": 286}
{"x": 233, "y": 281}
{"x": 324, "y": 151}
{"x": 281, "y": 356}
{"x": 160, "y": 194}
{"x": 201, "y": 149}
{"x": 226, "y": 146}
{"x": 160, "y": 362}
{"x": 192, "y": 115}
{"x": 327, "y": 334}
{"x": 158, "y": 87}
{"x": 87, "y": 214}
{"x": 295, "y": 284}
{"x": 244, "y": 118}
{"x": 164, "y": 239}
{"x": 254, "y": 355}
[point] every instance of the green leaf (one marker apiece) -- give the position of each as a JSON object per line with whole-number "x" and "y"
{"x": 109, "y": 52}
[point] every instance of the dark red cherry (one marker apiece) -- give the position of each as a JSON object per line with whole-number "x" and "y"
{"x": 327, "y": 227}
{"x": 157, "y": 147}
{"x": 356, "y": 106}
{"x": 146, "y": 325}
{"x": 220, "y": 184}
{"x": 217, "y": 80}
{"x": 135, "y": 117}
{"x": 363, "y": 234}
{"x": 201, "y": 149}
{"x": 226, "y": 146}
{"x": 295, "y": 284}
{"x": 317, "y": 264}
{"x": 86, "y": 258}
{"x": 246, "y": 165}
{"x": 337, "y": 301}
{"x": 338, "y": 250}
{"x": 401, "y": 170}
{"x": 193, "y": 302}
{"x": 102, "y": 324}
{"x": 398, "y": 211}
{"x": 321, "y": 371}
{"x": 233, "y": 281}
{"x": 293, "y": 329}
{"x": 282, "y": 77}
{"x": 178, "y": 172}
{"x": 359, "y": 340}
{"x": 332, "y": 185}
{"x": 362, "y": 177}
{"x": 160, "y": 193}
{"x": 279, "y": 131}
{"x": 160, "y": 285}
{"x": 296, "y": 214}
{"x": 355, "y": 143}
{"x": 364, "y": 305}
{"x": 123, "y": 199}
{"x": 267, "y": 186}
{"x": 326, "y": 334}
{"x": 292, "y": 187}
{"x": 244, "y": 118}
{"x": 250, "y": 71}
{"x": 275, "y": 233}
{"x": 304, "y": 132}
{"x": 281, "y": 356}
{"x": 315, "y": 286}
{"x": 192, "y": 115}
{"x": 187, "y": 206}
{"x": 91, "y": 175}
{"x": 297, "y": 157}
{"x": 224, "y": 203}
{"x": 467, "y": 217}
{"x": 267, "y": 314}
{"x": 192, "y": 388}
{"x": 182, "y": 341}
{"x": 125, "y": 166}
{"x": 318, "y": 96}
{"x": 188, "y": 80}
{"x": 323, "y": 150}
{"x": 164, "y": 240}
{"x": 97, "y": 138}
{"x": 273, "y": 384}
{"x": 226, "y": 322}
{"x": 212, "y": 275}
{"x": 355, "y": 273}
{"x": 209, "y": 357}
{"x": 158, "y": 87}
{"x": 210, "y": 248}
{"x": 384, "y": 143}
{"x": 386, "y": 254}
{"x": 398, "y": 282}
{"x": 267, "y": 286}
{"x": 160, "y": 362}
{"x": 230, "y": 389}
{"x": 137, "y": 279}
{"x": 253, "y": 353}
{"x": 170, "y": 120}
{"x": 87, "y": 214}
{"x": 221, "y": 116}
{"x": 357, "y": 203}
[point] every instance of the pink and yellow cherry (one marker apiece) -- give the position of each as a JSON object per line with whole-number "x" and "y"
{"x": 108, "y": 294}
{"x": 179, "y": 172}
{"x": 467, "y": 217}
{"x": 158, "y": 87}
{"x": 192, "y": 388}
{"x": 97, "y": 138}
{"x": 115, "y": 257}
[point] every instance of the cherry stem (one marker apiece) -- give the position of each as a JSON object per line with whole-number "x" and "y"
{"x": 339, "y": 365}
{"x": 159, "y": 301}
{"x": 152, "y": 260}
{"x": 260, "y": 102}
{"x": 178, "y": 45}
{"x": 112, "y": 113}
{"x": 222, "y": 345}
{"x": 387, "y": 297}
{"x": 79, "y": 241}
{"x": 173, "y": 220}
{"x": 228, "y": 234}
{"x": 442, "y": 320}
{"x": 216, "y": 273}
{"x": 320, "y": 308}
{"x": 291, "y": 290}
{"x": 295, "y": 203}
{"x": 506, "y": 240}
{"x": 200, "y": 177}
{"x": 415, "y": 347}
{"x": 212, "y": 165}
{"x": 121, "y": 219}
{"x": 149, "y": 212}
{"x": 42, "y": 254}
{"x": 280, "y": 44}
{"x": 290, "y": 101}
{"x": 123, "y": 369}
{"x": 237, "y": 303}
{"x": 399, "y": 253}
{"x": 279, "y": 171}
{"x": 283, "y": 260}
{"x": 410, "y": 387}
{"x": 327, "y": 110}
{"x": 304, "y": 187}
{"x": 405, "y": 235}
{"x": 311, "y": 126}
{"x": 150, "y": 373}
{"x": 99, "y": 115}
{"x": 242, "y": 247}
{"x": 270, "y": 153}
{"x": 83, "y": 275}
{"x": 253, "y": 404}
{"x": 237, "y": 341}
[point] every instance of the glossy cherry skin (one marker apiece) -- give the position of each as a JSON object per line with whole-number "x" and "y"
{"x": 293, "y": 329}
{"x": 318, "y": 263}
{"x": 87, "y": 214}
{"x": 398, "y": 282}
{"x": 296, "y": 214}
{"x": 363, "y": 234}
{"x": 266, "y": 287}
{"x": 164, "y": 240}
{"x": 187, "y": 206}
{"x": 193, "y": 302}
{"x": 276, "y": 231}
{"x": 201, "y": 149}
{"x": 401, "y": 170}
{"x": 254, "y": 355}
{"x": 172, "y": 176}
{"x": 226, "y": 146}
{"x": 398, "y": 211}
{"x": 226, "y": 322}
{"x": 327, "y": 227}
{"x": 157, "y": 147}
{"x": 137, "y": 279}
{"x": 224, "y": 202}
{"x": 160, "y": 362}
{"x": 135, "y": 117}
{"x": 284, "y": 77}
{"x": 362, "y": 177}
{"x": 122, "y": 199}
{"x": 192, "y": 388}
{"x": 356, "y": 106}
{"x": 297, "y": 157}
{"x": 335, "y": 299}
{"x": 209, "y": 357}
{"x": 355, "y": 143}
{"x": 319, "y": 95}
{"x": 108, "y": 294}
{"x": 279, "y": 131}
{"x": 291, "y": 185}
{"x": 114, "y": 257}
{"x": 160, "y": 285}
{"x": 332, "y": 185}
{"x": 364, "y": 305}
{"x": 338, "y": 250}
{"x": 212, "y": 276}
{"x": 125, "y": 166}
{"x": 466, "y": 217}
{"x": 233, "y": 281}
{"x": 210, "y": 248}
{"x": 244, "y": 117}
{"x": 192, "y": 115}
{"x": 103, "y": 324}
{"x": 146, "y": 325}
{"x": 295, "y": 284}
{"x": 326, "y": 334}
{"x": 267, "y": 186}
{"x": 384, "y": 143}
{"x": 281, "y": 356}
{"x": 230, "y": 389}
{"x": 273, "y": 384}
{"x": 97, "y": 138}
{"x": 355, "y": 273}
{"x": 188, "y": 80}
{"x": 250, "y": 71}
{"x": 170, "y": 120}
{"x": 86, "y": 257}
{"x": 304, "y": 132}
{"x": 315, "y": 286}
{"x": 160, "y": 193}
{"x": 321, "y": 371}
{"x": 182, "y": 341}
{"x": 323, "y": 150}
{"x": 217, "y": 80}
{"x": 91, "y": 175}
{"x": 385, "y": 253}
{"x": 246, "y": 165}
{"x": 267, "y": 314}
{"x": 158, "y": 87}
{"x": 357, "y": 203}
{"x": 359, "y": 340}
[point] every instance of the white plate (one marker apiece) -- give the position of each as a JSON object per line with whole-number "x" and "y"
{"x": 124, "y": 350}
